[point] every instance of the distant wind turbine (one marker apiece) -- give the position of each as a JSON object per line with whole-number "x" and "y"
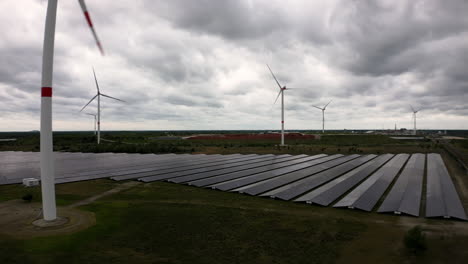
{"x": 323, "y": 115}
{"x": 281, "y": 92}
{"x": 95, "y": 121}
{"x": 414, "y": 117}
{"x": 49, "y": 209}
{"x": 98, "y": 95}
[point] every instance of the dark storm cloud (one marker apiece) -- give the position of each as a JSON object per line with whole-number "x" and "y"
{"x": 232, "y": 19}
{"x": 386, "y": 37}
{"x": 201, "y": 64}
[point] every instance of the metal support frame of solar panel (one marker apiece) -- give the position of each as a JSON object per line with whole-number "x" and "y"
{"x": 331, "y": 191}
{"x": 104, "y": 173}
{"x": 293, "y": 166}
{"x": 441, "y": 198}
{"x": 178, "y": 177}
{"x": 188, "y": 169}
{"x": 368, "y": 193}
{"x": 277, "y": 162}
{"x": 183, "y": 166}
{"x": 320, "y": 175}
{"x": 405, "y": 195}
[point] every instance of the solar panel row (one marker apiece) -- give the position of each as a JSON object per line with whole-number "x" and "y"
{"x": 441, "y": 198}
{"x": 405, "y": 195}
{"x": 353, "y": 181}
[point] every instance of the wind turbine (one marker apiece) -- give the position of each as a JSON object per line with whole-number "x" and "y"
{"x": 47, "y": 159}
{"x": 95, "y": 115}
{"x": 323, "y": 115}
{"x": 98, "y": 95}
{"x": 281, "y": 92}
{"x": 414, "y": 117}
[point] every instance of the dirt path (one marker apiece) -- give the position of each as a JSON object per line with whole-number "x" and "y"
{"x": 16, "y": 216}
{"x": 117, "y": 189}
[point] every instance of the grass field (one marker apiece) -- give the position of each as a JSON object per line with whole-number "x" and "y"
{"x": 169, "y": 223}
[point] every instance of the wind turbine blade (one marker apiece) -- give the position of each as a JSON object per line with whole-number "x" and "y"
{"x": 89, "y": 102}
{"x": 90, "y": 24}
{"x": 112, "y": 97}
{"x": 90, "y": 114}
{"x": 317, "y": 107}
{"x": 278, "y": 96}
{"x": 412, "y": 108}
{"x": 279, "y": 85}
{"x": 327, "y": 104}
{"x": 95, "y": 79}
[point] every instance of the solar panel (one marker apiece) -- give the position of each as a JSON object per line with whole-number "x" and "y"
{"x": 169, "y": 167}
{"x": 441, "y": 198}
{"x": 319, "y": 179}
{"x": 274, "y": 183}
{"x": 198, "y": 169}
{"x": 332, "y": 171}
{"x": 367, "y": 194}
{"x": 160, "y": 173}
{"x": 243, "y": 171}
{"x": 405, "y": 195}
{"x": 293, "y": 166}
{"x": 274, "y": 164}
{"x": 180, "y": 177}
{"x": 329, "y": 192}
{"x": 126, "y": 165}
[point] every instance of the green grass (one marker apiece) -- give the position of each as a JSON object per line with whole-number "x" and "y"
{"x": 66, "y": 193}
{"x": 167, "y": 223}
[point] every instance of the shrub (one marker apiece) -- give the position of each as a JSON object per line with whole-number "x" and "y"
{"x": 27, "y": 197}
{"x": 415, "y": 240}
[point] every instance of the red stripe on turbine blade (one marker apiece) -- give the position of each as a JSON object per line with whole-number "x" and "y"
{"x": 88, "y": 18}
{"x": 46, "y": 91}
{"x": 282, "y": 122}
{"x": 100, "y": 48}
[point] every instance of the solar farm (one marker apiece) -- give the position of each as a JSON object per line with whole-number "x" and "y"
{"x": 418, "y": 185}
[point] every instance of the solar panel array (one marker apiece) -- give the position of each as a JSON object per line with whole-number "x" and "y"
{"x": 417, "y": 184}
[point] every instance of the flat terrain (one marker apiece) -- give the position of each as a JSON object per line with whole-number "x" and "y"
{"x": 169, "y": 223}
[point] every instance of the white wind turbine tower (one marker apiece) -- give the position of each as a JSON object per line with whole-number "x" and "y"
{"x": 98, "y": 95}
{"x": 323, "y": 115}
{"x": 95, "y": 121}
{"x": 281, "y": 92}
{"x": 414, "y": 117}
{"x": 47, "y": 157}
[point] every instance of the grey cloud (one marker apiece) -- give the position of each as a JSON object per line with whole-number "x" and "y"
{"x": 232, "y": 19}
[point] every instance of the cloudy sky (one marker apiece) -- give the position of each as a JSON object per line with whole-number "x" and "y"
{"x": 201, "y": 64}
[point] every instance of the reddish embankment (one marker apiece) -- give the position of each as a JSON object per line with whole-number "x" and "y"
{"x": 253, "y": 136}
